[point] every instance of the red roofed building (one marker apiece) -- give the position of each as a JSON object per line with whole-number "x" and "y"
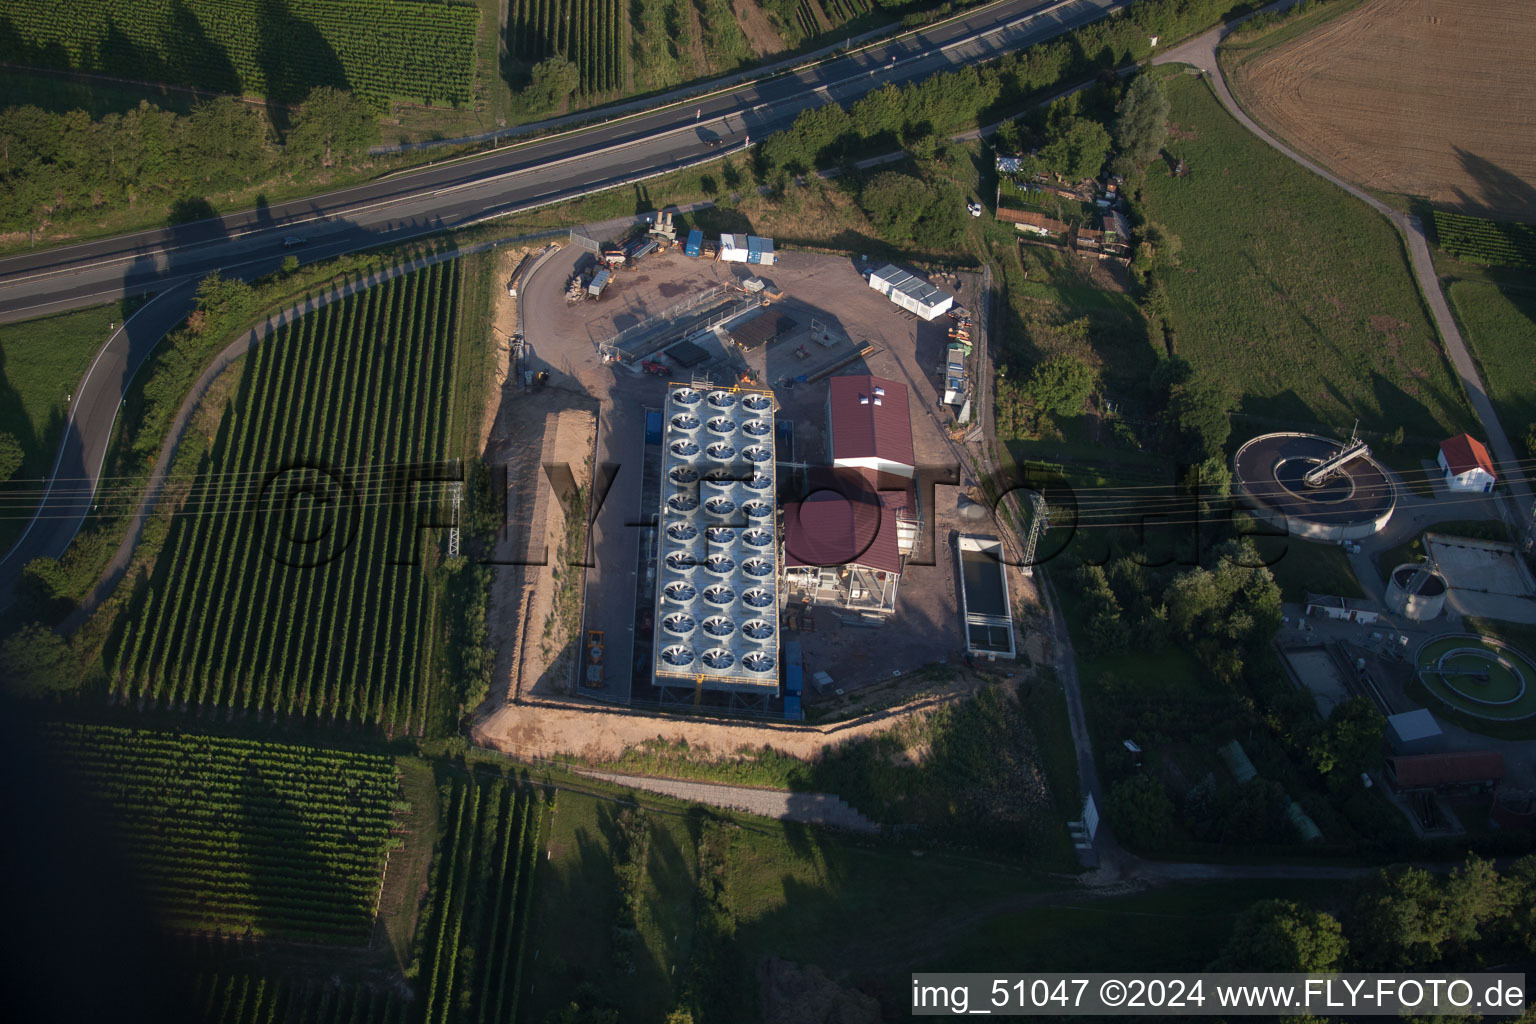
{"x": 1466, "y": 464}
{"x": 869, "y": 425}
{"x": 1465, "y": 770}
{"x": 846, "y": 541}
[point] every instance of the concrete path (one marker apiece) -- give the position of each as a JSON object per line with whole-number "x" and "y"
{"x": 1201, "y": 53}
{"x": 807, "y": 808}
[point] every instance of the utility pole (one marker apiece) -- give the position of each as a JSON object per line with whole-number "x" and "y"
{"x": 1039, "y": 521}
{"x": 453, "y": 532}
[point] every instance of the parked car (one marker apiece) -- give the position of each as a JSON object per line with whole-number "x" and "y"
{"x": 973, "y": 207}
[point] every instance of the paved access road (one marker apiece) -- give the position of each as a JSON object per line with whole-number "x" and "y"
{"x": 462, "y": 191}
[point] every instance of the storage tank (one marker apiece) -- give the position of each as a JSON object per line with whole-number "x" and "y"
{"x": 1416, "y": 591}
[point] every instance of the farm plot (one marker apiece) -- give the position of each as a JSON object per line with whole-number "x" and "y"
{"x": 1296, "y": 296}
{"x": 475, "y": 926}
{"x": 286, "y": 585}
{"x": 254, "y": 999}
{"x": 588, "y": 33}
{"x": 381, "y": 49}
{"x": 1428, "y": 98}
{"x": 240, "y": 836}
{"x": 1490, "y": 243}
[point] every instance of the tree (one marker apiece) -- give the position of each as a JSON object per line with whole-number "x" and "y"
{"x": 1141, "y": 811}
{"x": 1075, "y": 147}
{"x": 553, "y": 80}
{"x": 331, "y": 127}
{"x": 1283, "y": 936}
{"x": 1060, "y": 386}
{"x": 11, "y": 456}
{"x": 1351, "y": 741}
{"x": 35, "y": 661}
{"x": 1141, "y": 121}
{"x": 1530, "y": 439}
{"x": 1195, "y": 421}
{"x": 1399, "y": 921}
{"x": 228, "y": 140}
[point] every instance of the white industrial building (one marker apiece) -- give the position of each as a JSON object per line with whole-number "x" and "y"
{"x": 746, "y": 249}
{"x": 910, "y": 292}
{"x": 1467, "y": 465}
{"x": 717, "y": 605}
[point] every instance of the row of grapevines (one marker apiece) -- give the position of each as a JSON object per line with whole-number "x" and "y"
{"x": 1493, "y": 243}
{"x": 242, "y": 836}
{"x": 284, "y": 586}
{"x": 473, "y": 932}
{"x": 591, "y": 34}
{"x": 248, "y": 999}
{"x": 382, "y": 49}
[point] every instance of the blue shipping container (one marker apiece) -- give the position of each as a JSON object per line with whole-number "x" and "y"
{"x": 653, "y": 427}
{"x": 695, "y": 242}
{"x": 793, "y": 674}
{"x": 792, "y": 709}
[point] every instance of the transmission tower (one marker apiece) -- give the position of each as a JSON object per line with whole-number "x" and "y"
{"x": 1039, "y": 520}
{"x": 453, "y": 531}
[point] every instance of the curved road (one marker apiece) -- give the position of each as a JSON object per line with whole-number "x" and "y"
{"x": 455, "y": 193}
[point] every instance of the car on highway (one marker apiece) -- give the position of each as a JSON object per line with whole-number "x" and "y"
{"x": 714, "y": 143}
{"x": 294, "y": 241}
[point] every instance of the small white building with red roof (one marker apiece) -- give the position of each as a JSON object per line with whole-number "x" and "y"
{"x": 1467, "y": 465}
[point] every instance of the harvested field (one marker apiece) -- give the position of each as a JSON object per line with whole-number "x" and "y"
{"x": 1428, "y": 98}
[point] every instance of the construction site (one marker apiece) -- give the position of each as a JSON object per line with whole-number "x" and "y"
{"x": 764, "y": 534}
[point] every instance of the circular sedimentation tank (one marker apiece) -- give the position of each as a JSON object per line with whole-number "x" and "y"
{"x": 1416, "y": 591}
{"x": 1269, "y": 472}
{"x": 1479, "y": 676}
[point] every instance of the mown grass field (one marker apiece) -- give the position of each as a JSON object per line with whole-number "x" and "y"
{"x": 1499, "y": 322}
{"x": 865, "y": 913}
{"x": 1294, "y": 294}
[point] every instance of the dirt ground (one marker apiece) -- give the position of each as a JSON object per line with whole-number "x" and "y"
{"x": 1428, "y": 98}
{"x": 757, "y": 28}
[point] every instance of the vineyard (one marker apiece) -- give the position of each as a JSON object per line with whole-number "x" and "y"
{"x": 475, "y": 926}
{"x": 284, "y": 586}
{"x": 1492, "y": 243}
{"x": 240, "y": 836}
{"x": 588, "y": 33}
{"x": 419, "y": 50}
{"x": 244, "y": 999}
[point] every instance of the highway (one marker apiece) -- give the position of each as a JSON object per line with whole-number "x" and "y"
{"x": 459, "y": 192}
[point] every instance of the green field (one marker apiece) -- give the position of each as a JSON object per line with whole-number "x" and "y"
{"x": 41, "y": 364}
{"x": 475, "y": 925}
{"x": 241, "y": 836}
{"x": 1500, "y": 325}
{"x": 295, "y": 580}
{"x": 382, "y": 49}
{"x": 718, "y": 894}
{"x": 1296, "y": 295}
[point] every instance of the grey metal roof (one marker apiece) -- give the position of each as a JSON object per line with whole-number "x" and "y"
{"x": 910, "y": 285}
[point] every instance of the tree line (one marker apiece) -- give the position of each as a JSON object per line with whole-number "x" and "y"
{"x": 61, "y": 168}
